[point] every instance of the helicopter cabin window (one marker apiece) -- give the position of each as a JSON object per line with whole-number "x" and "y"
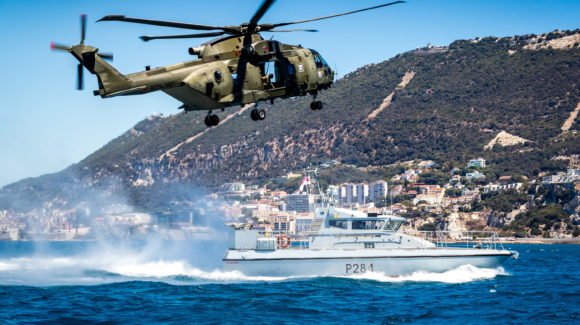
{"x": 218, "y": 76}
{"x": 368, "y": 224}
{"x": 338, "y": 224}
{"x": 270, "y": 74}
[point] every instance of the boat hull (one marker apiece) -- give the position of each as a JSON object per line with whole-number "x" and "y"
{"x": 340, "y": 263}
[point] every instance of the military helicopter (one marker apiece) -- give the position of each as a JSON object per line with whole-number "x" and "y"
{"x": 238, "y": 68}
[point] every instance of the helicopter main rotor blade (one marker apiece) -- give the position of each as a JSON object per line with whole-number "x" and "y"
{"x": 165, "y": 23}
{"x": 331, "y": 16}
{"x": 260, "y": 13}
{"x": 200, "y": 35}
{"x": 106, "y": 56}
{"x": 291, "y": 30}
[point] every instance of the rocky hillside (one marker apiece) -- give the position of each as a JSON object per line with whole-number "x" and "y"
{"x": 447, "y": 104}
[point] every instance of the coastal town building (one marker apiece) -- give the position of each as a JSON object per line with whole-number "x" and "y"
{"x": 300, "y": 203}
{"x": 501, "y": 187}
{"x": 479, "y": 162}
{"x": 474, "y": 175}
{"x": 362, "y": 193}
{"x": 569, "y": 176}
{"x": 378, "y": 191}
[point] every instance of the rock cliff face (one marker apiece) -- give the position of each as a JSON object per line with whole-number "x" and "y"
{"x": 446, "y": 105}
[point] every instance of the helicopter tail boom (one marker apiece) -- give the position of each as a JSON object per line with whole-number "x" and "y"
{"x": 111, "y": 81}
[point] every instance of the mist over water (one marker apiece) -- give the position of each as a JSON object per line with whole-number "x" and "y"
{"x": 172, "y": 262}
{"x": 78, "y": 263}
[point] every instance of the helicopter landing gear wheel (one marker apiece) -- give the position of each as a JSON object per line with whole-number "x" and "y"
{"x": 316, "y": 105}
{"x": 261, "y": 114}
{"x": 215, "y": 120}
{"x": 254, "y": 115}
{"x": 211, "y": 120}
{"x": 258, "y": 114}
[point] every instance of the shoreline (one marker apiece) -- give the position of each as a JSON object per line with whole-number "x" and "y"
{"x": 541, "y": 241}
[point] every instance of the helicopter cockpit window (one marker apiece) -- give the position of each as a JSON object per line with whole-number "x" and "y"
{"x": 323, "y": 61}
{"x": 318, "y": 61}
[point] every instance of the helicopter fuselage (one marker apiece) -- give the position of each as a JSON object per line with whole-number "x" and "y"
{"x": 237, "y": 69}
{"x": 234, "y": 70}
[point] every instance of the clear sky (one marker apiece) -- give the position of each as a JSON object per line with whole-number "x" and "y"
{"x": 46, "y": 125}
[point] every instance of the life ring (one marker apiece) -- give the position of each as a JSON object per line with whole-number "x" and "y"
{"x": 283, "y": 241}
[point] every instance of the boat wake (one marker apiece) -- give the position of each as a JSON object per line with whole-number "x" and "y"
{"x": 461, "y": 274}
{"x": 93, "y": 271}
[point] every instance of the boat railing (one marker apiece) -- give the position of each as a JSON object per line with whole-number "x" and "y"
{"x": 459, "y": 239}
{"x": 440, "y": 238}
{"x": 286, "y": 240}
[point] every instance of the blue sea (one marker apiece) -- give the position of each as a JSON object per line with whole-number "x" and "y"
{"x": 159, "y": 282}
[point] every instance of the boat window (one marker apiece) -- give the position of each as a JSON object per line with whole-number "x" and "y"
{"x": 368, "y": 224}
{"x": 338, "y": 224}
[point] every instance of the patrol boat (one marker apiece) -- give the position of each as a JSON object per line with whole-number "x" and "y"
{"x": 346, "y": 242}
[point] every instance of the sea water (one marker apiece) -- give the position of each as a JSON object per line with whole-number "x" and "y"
{"x": 181, "y": 282}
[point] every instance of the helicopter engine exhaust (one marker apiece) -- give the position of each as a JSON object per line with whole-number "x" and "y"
{"x": 195, "y": 50}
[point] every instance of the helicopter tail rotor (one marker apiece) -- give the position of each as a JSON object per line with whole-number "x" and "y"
{"x": 80, "y": 77}
{"x": 83, "y": 53}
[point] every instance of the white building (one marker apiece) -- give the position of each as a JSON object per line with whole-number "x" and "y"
{"x": 378, "y": 191}
{"x": 234, "y": 187}
{"x": 474, "y": 175}
{"x": 479, "y": 162}
{"x": 347, "y": 193}
{"x": 501, "y": 187}
{"x": 362, "y": 193}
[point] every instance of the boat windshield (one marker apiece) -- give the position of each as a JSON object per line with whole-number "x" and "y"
{"x": 368, "y": 224}
{"x": 393, "y": 225}
{"x": 338, "y": 224}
